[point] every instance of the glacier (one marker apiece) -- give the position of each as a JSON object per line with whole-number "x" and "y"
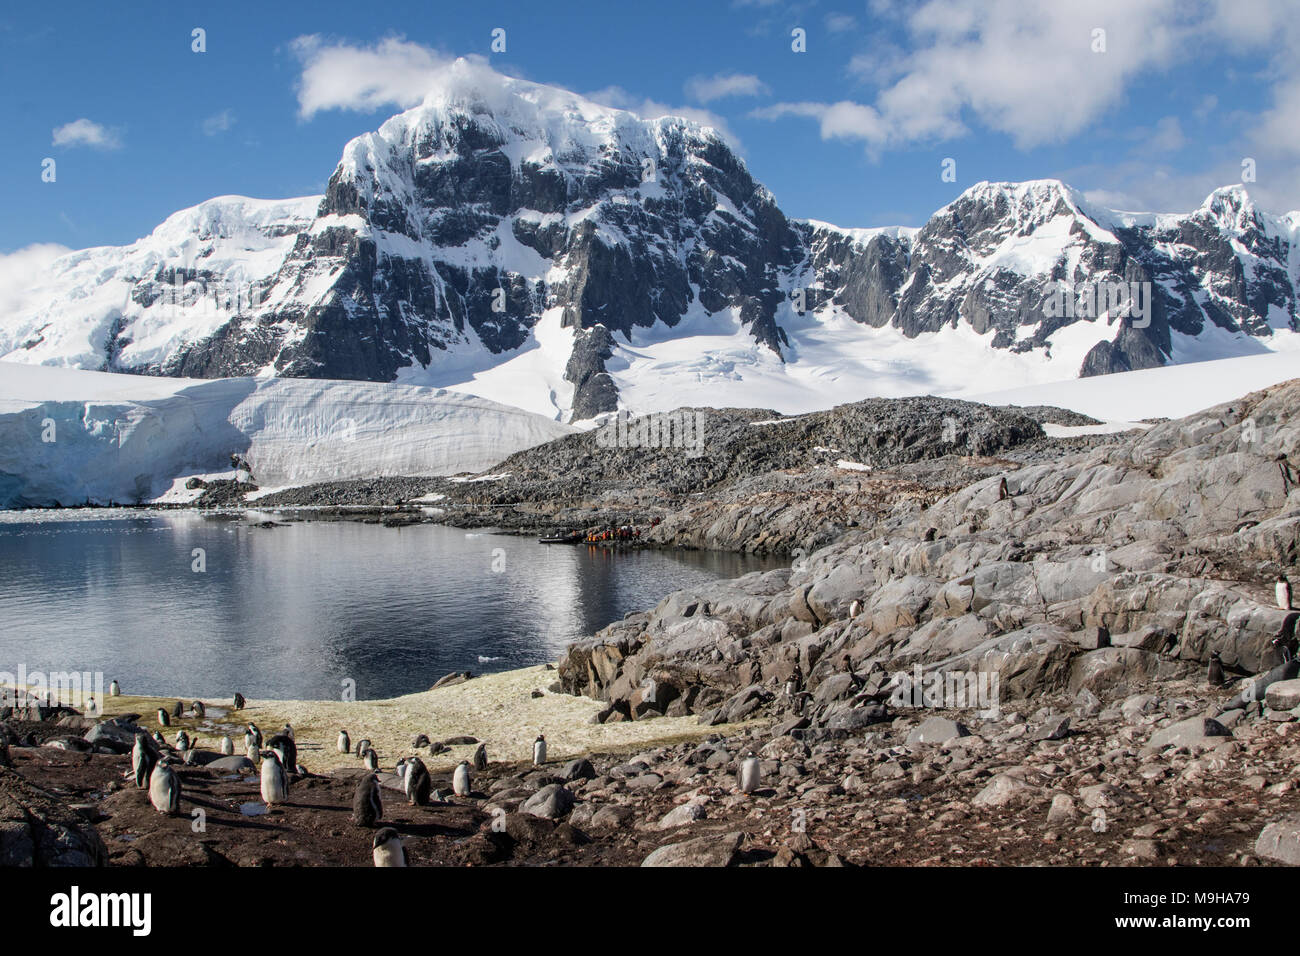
{"x": 70, "y": 437}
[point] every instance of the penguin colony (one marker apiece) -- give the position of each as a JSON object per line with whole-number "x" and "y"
{"x": 152, "y": 759}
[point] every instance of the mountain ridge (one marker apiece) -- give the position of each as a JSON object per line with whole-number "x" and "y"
{"x": 521, "y": 242}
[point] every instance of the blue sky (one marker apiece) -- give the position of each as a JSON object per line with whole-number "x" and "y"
{"x": 853, "y": 131}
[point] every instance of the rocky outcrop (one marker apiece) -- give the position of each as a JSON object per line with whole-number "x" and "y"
{"x": 36, "y": 829}
{"x": 1102, "y": 572}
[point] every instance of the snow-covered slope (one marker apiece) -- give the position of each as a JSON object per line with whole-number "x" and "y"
{"x": 67, "y": 436}
{"x": 1174, "y": 391}
{"x": 520, "y": 242}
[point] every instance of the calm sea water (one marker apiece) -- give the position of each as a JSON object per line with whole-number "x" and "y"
{"x": 293, "y": 611}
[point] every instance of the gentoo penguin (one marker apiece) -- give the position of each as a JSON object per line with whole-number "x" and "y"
{"x": 372, "y": 760}
{"x": 287, "y": 731}
{"x": 227, "y": 746}
{"x": 416, "y": 782}
{"x": 114, "y": 689}
{"x": 286, "y": 750}
{"x": 251, "y": 749}
{"x": 362, "y": 746}
{"x": 855, "y": 608}
{"x": 480, "y": 758}
{"x": 200, "y": 710}
{"x": 460, "y": 779}
{"x": 92, "y": 708}
{"x": 1283, "y": 592}
{"x": 539, "y": 751}
{"x": 420, "y": 741}
{"x": 164, "y": 788}
{"x": 1002, "y": 489}
{"x": 240, "y": 702}
{"x": 159, "y": 739}
{"x": 1215, "y": 673}
{"x": 388, "y": 849}
{"x": 794, "y": 682}
{"x": 400, "y": 770}
{"x": 182, "y": 741}
{"x": 747, "y": 778}
{"x": 164, "y": 718}
{"x": 345, "y": 742}
{"x": 178, "y": 711}
{"x": 255, "y": 733}
{"x": 275, "y": 782}
{"x": 142, "y": 761}
{"x": 367, "y": 807}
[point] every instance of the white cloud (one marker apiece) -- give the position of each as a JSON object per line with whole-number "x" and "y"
{"x": 709, "y": 88}
{"x": 840, "y": 23}
{"x": 646, "y": 108}
{"x": 393, "y": 72}
{"x": 218, "y": 123}
{"x": 84, "y": 132}
{"x": 1032, "y": 75}
{"x": 20, "y": 271}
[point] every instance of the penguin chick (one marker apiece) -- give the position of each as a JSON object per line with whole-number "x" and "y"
{"x": 367, "y": 807}
{"x": 164, "y": 789}
{"x": 387, "y": 848}
{"x": 460, "y": 784}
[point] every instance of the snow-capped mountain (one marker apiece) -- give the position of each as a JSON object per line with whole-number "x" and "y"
{"x": 522, "y": 243}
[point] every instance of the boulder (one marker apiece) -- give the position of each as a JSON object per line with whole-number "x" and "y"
{"x": 702, "y": 851}
{"x": 550, "y": 803}
{"x": 1195, "y": 733}
{"x": 1283, "y": 694}
{"x": 935, "y": 730}
{"x": 36, "y": 829}
{"x": 1280, "y": 840}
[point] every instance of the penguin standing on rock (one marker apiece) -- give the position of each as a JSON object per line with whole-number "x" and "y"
{"x": 750, "y": 772}
{"x": 1003, "y": 493}
{"x": 164, "y": 788}
{"x": 159, "y": 739}
{"x": 387, "y": 848}
{"x": 367, "y": 807}
{"x": 227, "y": 747}
{"x": 416, "y": 782}
{"x": 372, "y": 760}
{"x": 1215, "y": 673}
{"x": 92, "y": 708}
{"x": 255, "y": 733}
{"x": 460, "y": 779}
{"x": 480, "y": 758}
{"x": 1282, "y": 591}
{"x": 275, "y": 782}
{"x": 164, "y": 718}
{"x": 345, "y": 742}
{"x": 539, "y": 751}
{"x": 142, "y": 761}
{"x": 239, "y": 702}
{"x": 182, "y": 741}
